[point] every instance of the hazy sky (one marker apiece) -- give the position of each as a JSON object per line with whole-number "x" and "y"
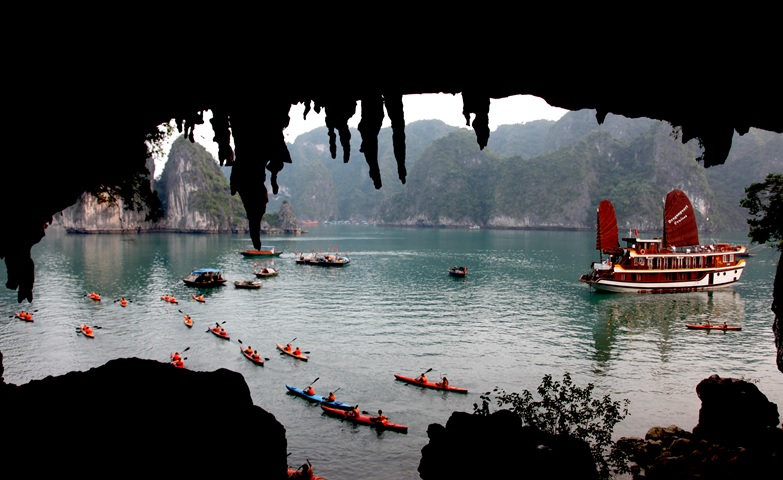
{"x": 443, "y": 106}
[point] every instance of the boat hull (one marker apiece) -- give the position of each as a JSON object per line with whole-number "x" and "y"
{"x": 700, "y": 326}
{"x": 363, "y": 420}
{"x": 709, "y": 280}
{"x": 292, "y": 354}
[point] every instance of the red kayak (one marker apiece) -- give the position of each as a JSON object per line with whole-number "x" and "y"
{"x": 253, "y": 357}
{"x": 700, "y": 326}
{"x": 363, "y": 419}
{"x": 177, "y": 361}
{"x": 86, "y": 331}
{"x": 429, "y": 384}
{"x": 188, "y": 321}
{"x": 198, "y": 298}
{"x": 219, "y": 332}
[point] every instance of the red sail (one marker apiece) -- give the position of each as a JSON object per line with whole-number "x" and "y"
{"x": 606, "y": 227}
{"x": 679, "y": 221}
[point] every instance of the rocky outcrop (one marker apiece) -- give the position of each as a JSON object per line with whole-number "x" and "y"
{"x": 739, "y": 435}
{"x": 137, "y": 417}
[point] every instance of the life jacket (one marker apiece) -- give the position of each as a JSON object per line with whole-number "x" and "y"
{"x": 309, "y": 391}
{"x": 297, "y": 351}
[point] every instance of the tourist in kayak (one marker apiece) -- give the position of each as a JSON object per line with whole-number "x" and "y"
{"x": 380, "y": 418}
{"x": 444, "y": 382}
{"x": 256, "y": 355}
{"x": 304, "y": 472}
{"x": 297, "y": 351}
{"x": 422, "y": 378}
{"x": 309, "y": 390}
{"x": 249, "y": 350}
{"x": 288, "y": 347}
{"x": 331, "y": 397}
{"x": 354, "y": 412}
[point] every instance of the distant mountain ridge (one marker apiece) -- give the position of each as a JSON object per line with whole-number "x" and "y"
{"x": 541, "y": 174}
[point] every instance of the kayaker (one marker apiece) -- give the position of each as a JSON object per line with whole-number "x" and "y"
{"x": 380, "y": 418}
{"x": 249, "y": 350}
{"x": 223, "y": 331}
{"x": 288, "y": 347}
{"x": 309, "y": 390}
{"x": 444, "y": 382}
{"x": 256, "y": 356}
{"x": 422, "y": 378}
{"x": 331, "y": 397}
{"x": 354, "y": 412}
{"x": 297, "y": 351}
{"x": 176, "y": 356}
{"x": 304, "y": 472}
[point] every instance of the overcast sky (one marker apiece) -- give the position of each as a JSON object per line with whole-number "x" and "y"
{"x": 443, "y": 106}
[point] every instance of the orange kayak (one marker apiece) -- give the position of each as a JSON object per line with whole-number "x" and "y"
{"x": 301, "y": 356}
{"x": 26, "y": 316}
{"x": 87, "y": 331}
{"x": 428, "y": 384}
{"x": 169, "y": 299}
{"x": 188, "y": 320}
{"x": 198, "y": 298}
{"x": 700, "y": 326}
{"x": 257, "y": 360}
{"x": 94, "y": 296}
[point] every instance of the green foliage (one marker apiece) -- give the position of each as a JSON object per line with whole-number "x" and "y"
{"x": 567, "y": 409}
{"x": 764, "y": 202}
{"x": 272, "y": 218}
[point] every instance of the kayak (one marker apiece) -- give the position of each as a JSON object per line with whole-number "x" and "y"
{"x": 249, "y": 356}
{"x": 188, "y": 321}
{"x": 315, "y": 398}
{"x": 363, "y": 419}
{"x": 94, "y": 296}
{"x": 179, "y": 363}
{"x": 700, "y": 326}
{"x": 428, "y": 384}
{"x": 217, "y": 333}
{"x": 293, "y": 473}
{"x": 198, "y": 298}
{"x": 87, "y": 331}
{"x": 26, "y": 316}
{"x": 301, "y": 356}
{"x": 169, "y": 299}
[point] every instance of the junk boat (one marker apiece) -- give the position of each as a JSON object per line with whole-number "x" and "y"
{"x": 673, "y": 264}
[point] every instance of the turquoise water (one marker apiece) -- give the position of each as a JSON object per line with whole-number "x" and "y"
{"x": 520, "y": 314}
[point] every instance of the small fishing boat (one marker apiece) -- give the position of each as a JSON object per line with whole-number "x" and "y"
{"x": 708, "y": 326}
{"x": 675, "y": 263}
{"x": 458, "y": 271}
{"x": 265, "y": 272}
{"x": 324, "y": 259}
{"x": 250, "y": 284}
{"x": 205, "y": 278}
{"x": 264, "y": 251}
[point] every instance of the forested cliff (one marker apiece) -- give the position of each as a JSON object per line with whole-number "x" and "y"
{"x": 540, "y": 174}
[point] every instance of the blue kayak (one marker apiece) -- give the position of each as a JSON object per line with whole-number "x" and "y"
{"x": 318, "y": 398}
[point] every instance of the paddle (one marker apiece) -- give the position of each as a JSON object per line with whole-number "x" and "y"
{"x": 314, "y": 381}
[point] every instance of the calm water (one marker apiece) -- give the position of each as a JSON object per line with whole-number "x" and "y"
{"x": 520, "y": 314}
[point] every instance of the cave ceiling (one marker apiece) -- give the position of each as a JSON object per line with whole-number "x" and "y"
{"x": 76, "y": 127}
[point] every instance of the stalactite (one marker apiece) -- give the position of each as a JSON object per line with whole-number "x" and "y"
{"x": 369, "y": 127}
{"x": 394, "y": 107}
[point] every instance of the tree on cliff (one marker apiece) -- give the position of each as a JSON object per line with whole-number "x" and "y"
{"x": 764, "y": 202}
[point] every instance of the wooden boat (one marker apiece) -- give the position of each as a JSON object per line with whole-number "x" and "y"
{"x": 205, "y": 278}
{"x": 704, "y": 326}
{"x": 266, "y": 272}
{"x": 264, "y": 251}
{"x": 456, "y": 271}
{"x": 324, "y": 259}
{"x": 675, "y": 263}
{"x": 251, "y": 284}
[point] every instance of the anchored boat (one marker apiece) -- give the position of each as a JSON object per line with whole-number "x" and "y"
{"x": 675, "y": 263}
